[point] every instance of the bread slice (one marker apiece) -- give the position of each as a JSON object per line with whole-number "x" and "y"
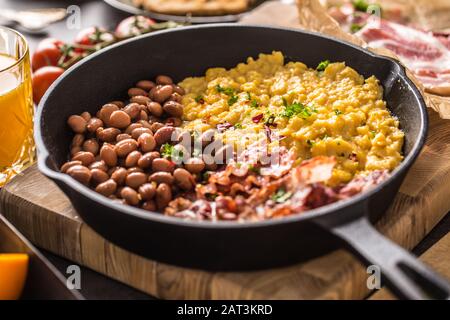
{"x": 195, "y": 7}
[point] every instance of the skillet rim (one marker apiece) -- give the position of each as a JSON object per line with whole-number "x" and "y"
{"x": 43, "y": 153}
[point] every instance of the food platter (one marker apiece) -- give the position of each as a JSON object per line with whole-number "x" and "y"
{"x": 127, "y": 6}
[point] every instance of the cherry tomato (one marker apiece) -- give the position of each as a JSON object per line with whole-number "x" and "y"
{"x": 133, "y": 26}
{"x": 48, "y": 53}
{"x": 42, "y": 79}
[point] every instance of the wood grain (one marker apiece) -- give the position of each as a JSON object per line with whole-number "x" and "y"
{"x": 45, "y": 216}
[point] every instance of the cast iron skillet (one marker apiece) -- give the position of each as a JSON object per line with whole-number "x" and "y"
{"x": 184, "y": 52}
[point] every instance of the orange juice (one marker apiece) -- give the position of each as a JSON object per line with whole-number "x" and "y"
{"x": 16, "y": 115}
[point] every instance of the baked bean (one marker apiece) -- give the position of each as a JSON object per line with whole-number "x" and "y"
{"x": 118, "y": 103}
{"x": 119, "y": 175}
{"x": 173, "y": 108}
{"x": 147, "y": 191}
{"x": 80, "y": 173}
{"x": 163, "y": 80}
{"x": 207, "y": 137}
{"x": 183, "y": 179}
{"x": 122, "y": 136}
{"x": 86, "y": 116}
{"x": 108, "y": 134}
{"x": 132, "y": 159}
{"x": 143, "y": 115}
{"x": 156, "y": 126}
{"x": 69, "y": 164}
{"x": 155, "y": 109}
{"x": 91, "y": 145}
{"x": 147, "y": 159}
{"x": 145, "y": 124}
{"x": 194, "y": 165}
{"x": 99, "y": 164}
{"x": 99, "y": 176}
{"x": 75, "y": 150}
{"x": 149, "y": 205}
{"x": 136, "y": 133}
{"x": 77, "y": 123}
{"x": 119, "y": 119}
{"x": 164, "y": 135}
{"x": 130, "y": 196}
{"x": 85, "y": 157}
{"x": 106, "y": 111}
{"x": 78, "y": 140}
{"x": 161, "y": 177}
{"x": 164, "y": 165}
{"x": 137, "y": 92}
{"x": 132, "y": 127}
{"x": 136, "y": 179}
{"x": 146, "y": 142}
{"x": 94, "y": 124}
{"x": 134, "y": 169}
{"x": 163, "y": 195}
{"x": 178, "y": 90}
{"x": 146, "y": 85}
{"x": 175, "y": 97}
{"x": 162, "y": 93}
{"x": 108, "y": 155}
{"x": 107, "y": 188}
{"x": 124, "y": 147}
{"x": 142, "y": 100}
{"x": 173, "y": 122}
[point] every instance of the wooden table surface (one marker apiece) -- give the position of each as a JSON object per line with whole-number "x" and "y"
{"x": 95, "y": 286}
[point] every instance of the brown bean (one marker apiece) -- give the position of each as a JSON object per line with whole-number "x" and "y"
{"x": 86, "y": 116}
{"x": 184, "y": 179}
{"x": 99, "y": 176}
{"x": 143, "y": 100}
{"x": 194, "y": 165}
{"x": 118, "y": 103}
{"x": 85, "y": 157}
{"x": 161, "y": 177}
{"x": 94, "y": 124}
{"x": 122, "y": 136}
{"x": 173, "y": 122}
{"x": 130, "y": 195}
{"x": 149, "y": 205}
{"x": 178, "y": 90}
{"x": 161, "y": 164}
{"x": 134, "y": 169}
{"x": 135, "y": 134}
{"x": 124, "y": 147}
{"x": 136, "y": 179}
{"x": 147, "y": 191}
{"x": 133, "y": 126}
{"x": 77, "y": 140}
{"x": 107, "y": 188}
{"x": 156, "y": 126}
{"x": 80, "y": 173}
{"x": 77, "y": 123}
{"x": 164, "y": 135}
{"x": 119, "y": 175}
{"x": 146, "y": 85}
{"x": 173, "y": 108}
{"x": 155, "y": 109}
{"x": 143, "y": 115}
{"x": 163, "y": 195}
{"x": 106, "y": 111}
{"x": 108, "y": 155}
{"x": 132, "y": 159}
{"x": 176, "y": 97}
{"x": 92, "y": 146}
{"x": 132, "y": 110}
{"x": 147, "y": 159}
{"x": 146, "y": 142}
{"x": 137, "y": 92}
{"x": 75, "y": 150}
{"x": 145, "y": 123}
{"x": 162, "y": 93}
{"x": 119, "y": 119}
{"x": 69, "y": 164}
{"x": 163, "y": 80}
{"x": 108, "y": 134}
{"x": 100, "y": 164}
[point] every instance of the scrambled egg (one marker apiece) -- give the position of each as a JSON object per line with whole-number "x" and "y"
{"x": 331, "y": 112}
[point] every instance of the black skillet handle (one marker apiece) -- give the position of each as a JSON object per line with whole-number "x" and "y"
{"x": 403, "y": 273}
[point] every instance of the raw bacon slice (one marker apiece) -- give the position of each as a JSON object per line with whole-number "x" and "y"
{"x": 425, "y": 54}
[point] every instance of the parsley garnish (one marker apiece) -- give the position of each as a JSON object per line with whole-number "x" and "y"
{"x": 322, "y": 66}
{"x": 337, "y": 111}
{"x": 355, "y": 27}
{"x": 254, "y": 104}
{"x": 270, "y": 120}
{"x": 238, "y": 126}
{"x": 199, "y": 99}
{"x": 227, "y": 91}
{"x": 169, "y": 151}
{"x": 233, "y": 99}
{"x": 281, "y": 196}
{"x": 294, "y": 109}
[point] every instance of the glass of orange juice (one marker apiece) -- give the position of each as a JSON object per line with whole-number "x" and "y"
{"x": 17, "y": 149}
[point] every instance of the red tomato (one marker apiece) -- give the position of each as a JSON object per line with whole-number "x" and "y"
{"x": 48, "y": 53}
{"x": 133, "y": 26}
{"x": 42, "y": 79}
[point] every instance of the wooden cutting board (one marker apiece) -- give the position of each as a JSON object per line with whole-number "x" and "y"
{"x": 45, "y": 216}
